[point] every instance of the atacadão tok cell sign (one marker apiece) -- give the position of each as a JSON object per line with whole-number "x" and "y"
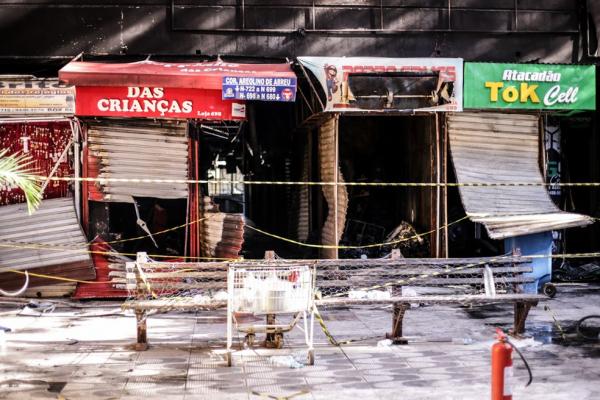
{"x": 530, "y": 86}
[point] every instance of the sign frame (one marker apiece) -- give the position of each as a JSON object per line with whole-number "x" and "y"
{"x": 30, "y": 96}
{"x": 529, "y": 86}
{"x": 156, "y": 102}
{"x": 333, "y": 72}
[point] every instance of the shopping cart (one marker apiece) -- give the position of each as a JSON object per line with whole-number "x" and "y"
{"x": 271, "y": 290}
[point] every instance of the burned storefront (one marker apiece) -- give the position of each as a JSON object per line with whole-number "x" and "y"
{"x": 508, "y": 141}
{"x": 35, "y": 122}
{"x": 376, "y": 121}
{"x": 149, "y": 128}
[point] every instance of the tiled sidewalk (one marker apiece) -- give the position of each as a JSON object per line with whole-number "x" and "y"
{"x": 83, "y": 353}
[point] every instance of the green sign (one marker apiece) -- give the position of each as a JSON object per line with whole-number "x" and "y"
{"x": 530, "y": 86}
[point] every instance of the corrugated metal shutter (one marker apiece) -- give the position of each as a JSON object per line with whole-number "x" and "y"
{"x": 504, "y": 148}
{"x": 149, "y": 150}
{"x": 222, "y": 234}
{"x": 54, "y": 231}
{"x": 328, "y": 169}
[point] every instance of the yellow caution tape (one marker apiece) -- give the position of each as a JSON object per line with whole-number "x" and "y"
{"x": 308, "y": 183}
{"x": 155, "y": 233}
{"x": 366, "y": 246}
{"x": 324, "y": 328}
{"x": 276, "y": 397}
{"x": 40, "y": 246}
{"x": 560, "y": 329}
{"x": 56, "y": 278}
{"x": 146, "y": 282}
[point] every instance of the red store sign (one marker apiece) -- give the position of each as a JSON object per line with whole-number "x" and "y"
{"x": 155, "y": 102}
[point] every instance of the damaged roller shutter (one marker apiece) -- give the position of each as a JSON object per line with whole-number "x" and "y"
{"x": 497, "y": 148}
{"x": 333, "y": 228}
{"x": 145, "y": 150}
{"x": 49, "y": 241}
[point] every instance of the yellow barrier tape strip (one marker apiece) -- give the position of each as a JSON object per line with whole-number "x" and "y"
{"x": 174, "y": 228}
{"x": 155, "y": 233}
{"x": 277, "y": 397}
{"x": 556, "y": 323}
{"x": 320, "y": 246}
{"x": 146, "y": 282}
{"x": 56, "y": 278}
{"x": 366, "y": 246}
{"x": 308, "y": 183}
{"x": 324, "y": 328}
{"x": 39, "y": 246}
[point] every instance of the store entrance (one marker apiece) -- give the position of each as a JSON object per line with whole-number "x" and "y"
{"x": 388, "y": 149}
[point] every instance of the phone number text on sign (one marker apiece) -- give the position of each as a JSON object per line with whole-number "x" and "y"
{"x": 257, "y": 88}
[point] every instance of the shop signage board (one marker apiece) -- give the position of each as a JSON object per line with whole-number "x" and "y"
{"x": 36, "y": 97}
{"x": 259, "y": 88}
{"x": 530, "y": 86}
{"x": 333, "y": 74}
{"x": 156, "y": 102}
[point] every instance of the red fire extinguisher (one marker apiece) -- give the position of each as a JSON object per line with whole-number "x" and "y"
{"x": 502, "y": 367}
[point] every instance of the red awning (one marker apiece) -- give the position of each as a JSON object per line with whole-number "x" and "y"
{"x": 201, "y": 75}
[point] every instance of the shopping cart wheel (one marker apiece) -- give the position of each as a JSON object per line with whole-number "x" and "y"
{"x": 311, "y": 357}
{"x": 278, "y": 340}
{"x": 229, "y": 359}
{"x": 549, "y": 290}
{"x": 249, "y": 339}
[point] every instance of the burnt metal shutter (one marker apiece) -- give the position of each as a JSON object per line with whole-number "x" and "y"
{"x": 504, "y": 148}
{"x": 222, "y": 234}
{"x": 50, "y": 240}
{"x": 328, "y": 168}
{"x": 148, "y": 150}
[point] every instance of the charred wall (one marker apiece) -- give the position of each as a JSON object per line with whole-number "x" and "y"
{"x": 488, "y": 30}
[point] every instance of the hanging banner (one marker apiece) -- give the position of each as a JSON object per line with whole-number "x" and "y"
{"x": 156, "y": 102}
{"x": 376, "y": 84}
{"x": 36, "y": 97}
{"x": 259, "y": 88}
{"x": 530, "y": 86}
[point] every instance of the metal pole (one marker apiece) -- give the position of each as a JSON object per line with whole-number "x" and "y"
{"x": 445, "y": 169}
{"x": 437, "y": 189}
{"x": 335, "y": 179}
{"x": 76, "y": 168}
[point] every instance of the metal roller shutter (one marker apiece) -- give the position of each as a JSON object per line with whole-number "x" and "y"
{"x": 328, "y": 169}
{"x": 147, "y": 150}
{"x": 504, "y": 148}
{"x": 49, "y": 241}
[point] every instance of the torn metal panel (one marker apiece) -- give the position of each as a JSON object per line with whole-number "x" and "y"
{"x": 504, "y": 148}
{"x": 48, "y": 241}
{"x": 222, "y": 234}
{"x": 141, "y": 151}
{"x": 333, "y": 228}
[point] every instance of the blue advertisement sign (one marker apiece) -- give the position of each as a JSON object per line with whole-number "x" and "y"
{"x": 259, "y": 88}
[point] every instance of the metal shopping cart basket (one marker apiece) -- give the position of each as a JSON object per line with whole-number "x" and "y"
{"x": 271, "y": 290}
